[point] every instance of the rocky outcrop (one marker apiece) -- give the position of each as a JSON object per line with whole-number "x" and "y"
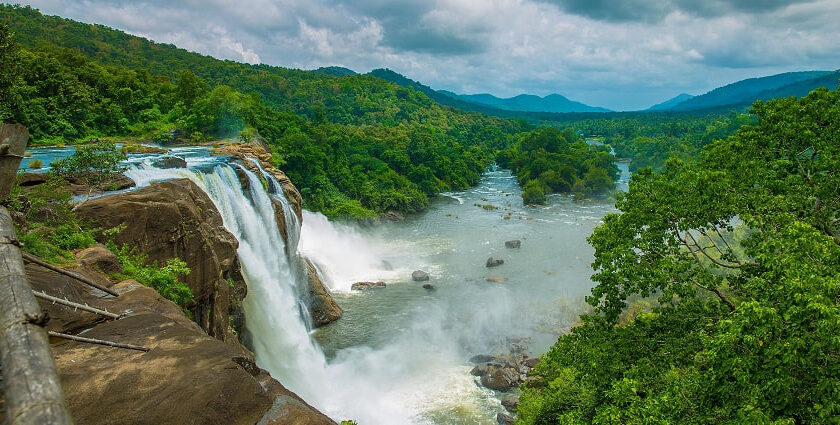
{"x": 177, "y": 219}
{"x": 186, "y": 377}
{"x": 245, "y": 152}
{"x": 361, "y": 286}
{"x": 419, "y": 276}
{"x": 78, "y": 186}
{"x": 322, "y": 306}
{"x": 171, "y": 162}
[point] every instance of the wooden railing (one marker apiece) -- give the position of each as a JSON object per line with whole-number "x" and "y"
{"x": 31, "y": 386}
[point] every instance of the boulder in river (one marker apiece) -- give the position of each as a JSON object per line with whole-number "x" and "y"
{"x": 501, "y": 379}
{"x": 419, "y": 276}
{"x": 496, "y": 279}
{"x": 505, "y": 419}
{"x": 322, "y": 306}
{"x": 493, "y": 262}
{"x": 510, "y": 402}
{"x": 516, "y": 243}
{"x": 171, "y": 162}
{"x": 361, "y": 286}
{"x": 481, "y": 358}
{"x": 429, "y": 287}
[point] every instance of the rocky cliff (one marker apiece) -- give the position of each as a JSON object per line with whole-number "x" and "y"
{"x": 186, "y": 377}
{"x": 177, "y": 219}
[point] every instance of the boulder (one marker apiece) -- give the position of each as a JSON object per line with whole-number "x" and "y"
{"x": 481, "y": 358}
{"x": 419, "y": 276}
{"x": 31, "y": 179}
{"x": 322, "y": 306}
{"x": 480, "y": 369}
{"x": 530, "y": 363}
{"x": 177, "y": 219}
{"x": 516, "y": 243}
{"x": 510, "y": 402}
{"x": 394, "y": 216}
{"x": 429, "y": 287}
{"x": 501, "y": 379}
{"x": 100, "y": 257}
{"x": 505, "y": 419}
{"x": 493, "y": 262}
{"x": 170, "y": 162}
{"x": 361, "y": 286}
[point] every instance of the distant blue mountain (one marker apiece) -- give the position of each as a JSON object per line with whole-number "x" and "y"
{"x": 745, "y": 92}
{"x": 529, "y": 103}
{"x": 670, "y": 103}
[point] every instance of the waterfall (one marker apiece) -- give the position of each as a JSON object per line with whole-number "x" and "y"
{"x": 381, "y": 386}
{"x": 276, "y": 322}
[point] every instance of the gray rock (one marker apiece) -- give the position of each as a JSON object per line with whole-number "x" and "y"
{"x": 510, "y": 402}
{"x": 531, "y": 362}
{"x": 480, "y": 370}
{"x": 481, "y": 358}
{"x": 516, "y": 243}
{"x": 493, "y": 262}
{"x": 505, "y": 419}
{"x": 500, "y": 379}
{"x": 419, "y": 276}
{"x": 361, "y": 286}
{"x": 429, "y": 287}
{"x": 171, "y": 162}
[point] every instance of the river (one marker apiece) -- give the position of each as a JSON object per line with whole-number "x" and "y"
{"x": 400, "y": 354}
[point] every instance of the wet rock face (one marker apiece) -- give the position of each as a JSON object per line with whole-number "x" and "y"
{"x": 322, "y": 306}
{"x": 419, "y": 276}
{"x": 177, "y": 219}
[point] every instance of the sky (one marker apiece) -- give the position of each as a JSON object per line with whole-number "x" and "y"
{"x": 618, "y": 54}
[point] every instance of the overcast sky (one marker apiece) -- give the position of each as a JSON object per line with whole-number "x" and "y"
{"x": 619, "y": 54}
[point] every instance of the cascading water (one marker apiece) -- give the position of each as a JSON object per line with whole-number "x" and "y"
{"x": 278, "y": 330}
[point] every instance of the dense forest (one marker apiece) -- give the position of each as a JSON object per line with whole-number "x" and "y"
{"x": 356, "y": 145}
{"x": 740, "y": 248}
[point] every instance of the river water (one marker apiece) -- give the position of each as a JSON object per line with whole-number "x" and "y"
{"x": 399, "y": 355}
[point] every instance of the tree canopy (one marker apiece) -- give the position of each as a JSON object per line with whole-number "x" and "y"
{"x": 741, "y": 250}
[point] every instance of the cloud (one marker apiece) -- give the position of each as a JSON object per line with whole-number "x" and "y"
{"x": 657, "y": 10}
{"x": 619, "y": 54}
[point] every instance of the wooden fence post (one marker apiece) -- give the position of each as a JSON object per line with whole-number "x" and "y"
{"x": 30, "y": 380}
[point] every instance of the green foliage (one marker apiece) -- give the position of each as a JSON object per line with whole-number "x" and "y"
{"x": 549, "y": 160}
{"x": 742, "y": 249}
{"x": 355, "y": 145}
{"x": 91, "y": 164}
{"x": 164, "y": 279}
{"x": 49, "y": 229}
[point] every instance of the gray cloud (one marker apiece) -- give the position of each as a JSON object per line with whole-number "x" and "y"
{"x": 618, "y": 54}
{"x": 657, "y": 10}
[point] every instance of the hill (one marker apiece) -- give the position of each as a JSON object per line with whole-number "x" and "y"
{"x": 745, "y": 92}
{"x": 335, "y": 71}
{"x": 670, "y": 103}
{"x": 530, "y": 103}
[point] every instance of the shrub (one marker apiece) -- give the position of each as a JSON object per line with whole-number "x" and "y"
{"x": 533, "y": 193}
{"x": 36, "y": 164}
{"x": 165, "y": 279}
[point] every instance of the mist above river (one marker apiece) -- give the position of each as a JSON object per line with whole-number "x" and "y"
{"x": 410, "y": 345}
